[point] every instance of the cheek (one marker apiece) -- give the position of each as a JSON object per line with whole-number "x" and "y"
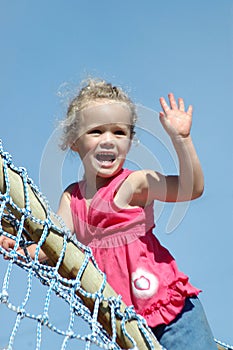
{"x": 86, "y": 148}
{"x": 126, "y": 146}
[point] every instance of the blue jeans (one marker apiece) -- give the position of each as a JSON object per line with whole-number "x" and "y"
{"x": 189, "y": 331}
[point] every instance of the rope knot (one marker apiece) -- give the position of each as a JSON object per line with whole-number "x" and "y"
{"x": 130, "y": 313}
{"x": 115, "y": 302}
{"x": 70, "y": 334}
{"x": 5, "y": 197}
{"x": 8, "y": 157}
{"x": 23, "y": 171}
{"x": 43, "y": 319}
{"x": 99, "y": 296}
{"x": 26, "y": 212}
{"x": 21, "y": 312}
{"x": 4, "y": 296}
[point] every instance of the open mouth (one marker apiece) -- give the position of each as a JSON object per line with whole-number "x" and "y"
{"x": 105, "y": 157}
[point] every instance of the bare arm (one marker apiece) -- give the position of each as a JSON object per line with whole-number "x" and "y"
{"x": 144, "y": 186}
{"x": 63, "y": 211}
{"x": 189, "y": 184}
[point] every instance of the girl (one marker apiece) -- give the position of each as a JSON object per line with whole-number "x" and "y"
{"x": 111, "y": 210}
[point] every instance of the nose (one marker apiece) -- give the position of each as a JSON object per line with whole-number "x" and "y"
{"x": 107, "y": 140}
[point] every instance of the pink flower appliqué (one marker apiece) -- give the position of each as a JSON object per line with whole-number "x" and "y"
{"x": 144, "y": 283}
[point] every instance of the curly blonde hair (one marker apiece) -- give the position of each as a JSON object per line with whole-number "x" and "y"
{"x": 93, "y": 90}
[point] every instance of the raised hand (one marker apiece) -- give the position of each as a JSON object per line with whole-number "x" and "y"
{"x": 175, "y": 120}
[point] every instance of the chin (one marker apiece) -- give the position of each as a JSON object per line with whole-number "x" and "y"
{"x": 106, "y": 173}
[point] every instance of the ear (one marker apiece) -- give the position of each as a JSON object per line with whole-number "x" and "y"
{"x": 74, "y": 147}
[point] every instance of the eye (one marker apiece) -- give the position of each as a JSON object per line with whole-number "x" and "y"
{"x": 120, "y": 132}
{"x": 95, "y": 132}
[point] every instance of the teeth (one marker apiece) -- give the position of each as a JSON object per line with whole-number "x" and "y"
{"x": 105, "y": 157}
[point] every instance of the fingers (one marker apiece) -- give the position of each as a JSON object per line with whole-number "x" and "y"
{"x": 164, "y": 106}
{"x": 6, "y": 243}
{"x": 190, "y": 110}
{"x": 172, "y": 101}
{"x": 181, "y": 104}
{"x": 173, "y": 105}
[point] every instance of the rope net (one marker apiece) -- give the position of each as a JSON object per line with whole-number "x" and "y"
{"x": 74, "y": 301}
{"x": 72, "y": 274}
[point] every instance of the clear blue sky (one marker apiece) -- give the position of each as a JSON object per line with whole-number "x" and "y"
{"x": 150, "y": 48}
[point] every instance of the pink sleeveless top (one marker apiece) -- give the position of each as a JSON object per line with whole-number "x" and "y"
{"x": 136, "y": 265}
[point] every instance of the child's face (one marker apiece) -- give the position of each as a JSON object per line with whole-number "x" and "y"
{"x": 104, "y": 137}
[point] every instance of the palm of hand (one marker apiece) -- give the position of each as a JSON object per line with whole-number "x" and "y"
{"x": 174, "y": 119}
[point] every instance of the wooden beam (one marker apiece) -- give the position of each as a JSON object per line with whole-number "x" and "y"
{"x": 91, "y": 279}
{"x": 220, "y": 347}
